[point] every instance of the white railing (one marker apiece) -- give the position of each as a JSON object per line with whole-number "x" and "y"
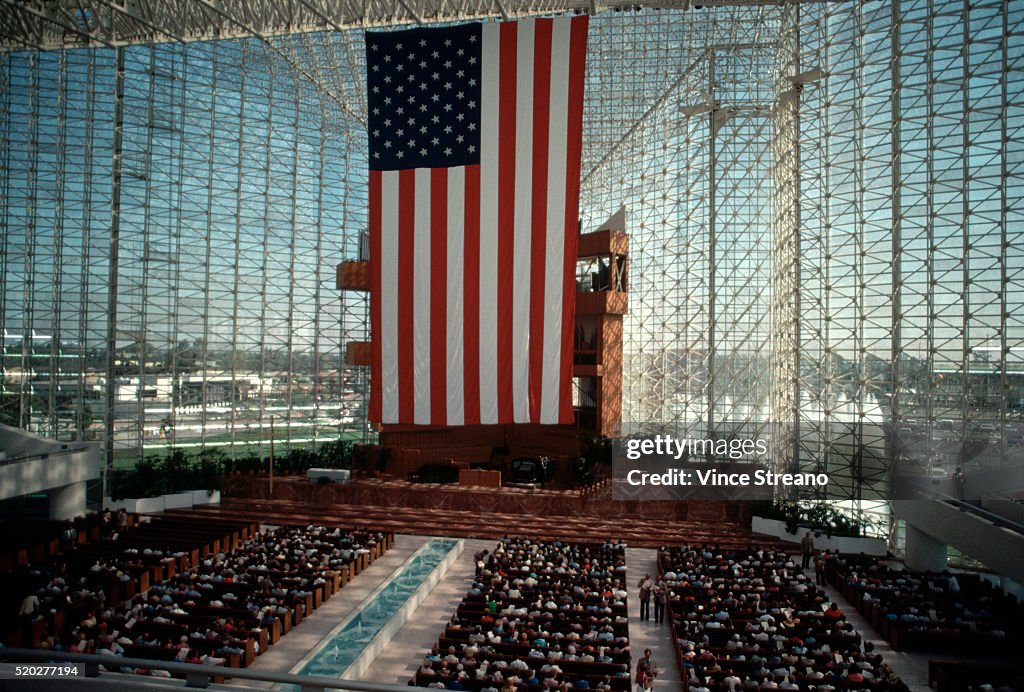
{"x": 196, "y": 675}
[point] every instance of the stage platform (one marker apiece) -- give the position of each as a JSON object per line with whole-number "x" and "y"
{"x": 476, "y": 512}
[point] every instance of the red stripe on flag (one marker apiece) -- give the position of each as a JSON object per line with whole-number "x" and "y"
{"x": 406, "y": 250}
{"x": 375, "y": 297}
{"x": 471, "y": 288}
{"x": 506, "y": 214}
{"x": 539, "y": 208}
{"x": 577, "y": 55}
{"x": 438, "y": 295}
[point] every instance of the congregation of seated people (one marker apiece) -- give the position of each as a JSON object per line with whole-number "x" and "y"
{"x": 22, "y": 541}
{"x": 224, "y": 610}
{"x": 932, "y": 611}
{"x": 752, "y": 620}
{"x": 539, "y": 615}
{"x": 74, "y": 581}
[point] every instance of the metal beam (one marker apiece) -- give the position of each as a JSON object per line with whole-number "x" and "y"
{"x": 150, "y": 21}
{"x": 655, "y": 107}
{"x": 47, "y": 18}
{"x": 298, "y": 68}
{"x": 158, "y": 28}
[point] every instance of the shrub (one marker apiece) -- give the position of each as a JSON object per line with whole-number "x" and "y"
{"x": 817, "y": 516}
{"x": 178, "y": 472}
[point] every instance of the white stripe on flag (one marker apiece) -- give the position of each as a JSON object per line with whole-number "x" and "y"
{"x": 389, "y": 296}
{"x": 455, "y": 337}
{"x": 554, "y": 266}
{"x": 489, "y": 269}
{"x": 523, "y": 223}
{"x": 421, "y": 316}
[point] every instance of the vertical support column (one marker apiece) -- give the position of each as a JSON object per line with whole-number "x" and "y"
{"x": 236, "y": 394}
{"x": 290, "y": 340}
{"x": 792, "y": 325}
{"x": 715, "y": 118}
{"x": 967, "y": 280}
{"x": 923, "y": 552}
{"x": 1004, "y": 245}
{"x": 67, "y": 501}
{"x": 211, "y": 143}
{"x": 896, "y": 343}
{"x": 784, "y": 407}
{"x": 115, "y": 228}
{"x": 609, "y": 394}
{"x": 85, "y": 289}
{"x": 58, "y": 278}
{"x": 179, "y": 371}
{"x": 26, "y": 390}
{"x": 932, "y": 243}
{"x": 317, "y": 295}
{"x": 5, "y": 202}
{"x": 137, "y": 260}
{"x": 268, "y": 167}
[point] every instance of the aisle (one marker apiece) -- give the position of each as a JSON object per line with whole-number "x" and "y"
{"x": 399, "y": 660}
{"x": 649, "y": 635}
{"x": 911, "y": 666}
{"x": 303, "y": 638}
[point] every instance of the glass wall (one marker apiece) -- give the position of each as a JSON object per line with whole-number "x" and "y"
{"x": 824, "y": 204}
{"x": 825, "y": 229}
{"x": 911, "y": 292}
{"x": 172, "y": 217}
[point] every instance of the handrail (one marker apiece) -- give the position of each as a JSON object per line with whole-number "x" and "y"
{"x": 22, "y": 456}
{"x": 1008, "y": 498}
{"x": 196, "y": 675}
{"x": 965, "y": 506}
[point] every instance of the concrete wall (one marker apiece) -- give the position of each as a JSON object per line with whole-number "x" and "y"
{"x": 34, "y": 464}
{"x": 998, "y": 548}
{"x": 1006, "y": 478}
{"x": 1014, "y": 511}
{"x": 67, "y": 502}
{"x": 924, "y": 553}
{"x": 149, "y": 505}
{"x": 39, "y": 474}
{"x": 846, "y": 545}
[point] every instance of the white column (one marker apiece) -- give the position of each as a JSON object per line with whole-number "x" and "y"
{"x": 924, "y": 552}
{"x": 67, "y": 501}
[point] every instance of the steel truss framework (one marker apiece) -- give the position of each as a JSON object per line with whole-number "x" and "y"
{"x": 49, "y": 24}
{"x": 824, "y": 207}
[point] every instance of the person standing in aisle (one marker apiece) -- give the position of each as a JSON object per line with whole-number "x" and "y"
{"x": 660, "y": 600}
{"x": 646, "y": 670}
{"x": 806, "y": 550}
{"x": 646, "y": 587}
{"x": 819, "y": 569}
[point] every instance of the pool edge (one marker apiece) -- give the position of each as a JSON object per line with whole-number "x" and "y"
{"x": 396, "y": 622}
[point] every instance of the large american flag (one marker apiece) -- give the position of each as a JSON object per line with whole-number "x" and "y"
{"x": 475, "y": 140}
